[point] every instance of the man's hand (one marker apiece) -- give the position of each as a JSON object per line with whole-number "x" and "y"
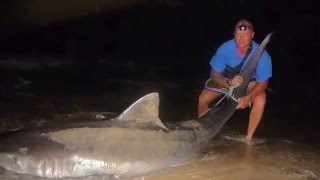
{"x": 236, "y": 81}
{"x": 243, "y": 102}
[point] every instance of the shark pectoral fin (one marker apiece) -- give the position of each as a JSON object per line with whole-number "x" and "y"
{"x": 144, "y": 110}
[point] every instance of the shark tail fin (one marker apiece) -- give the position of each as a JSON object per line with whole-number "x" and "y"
{"x": 144, "y": 110}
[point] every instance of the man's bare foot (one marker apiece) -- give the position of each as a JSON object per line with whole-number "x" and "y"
{"x": 243, "y": 139}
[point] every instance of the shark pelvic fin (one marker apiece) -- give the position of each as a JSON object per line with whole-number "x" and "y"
{"x": 144, "y": 110}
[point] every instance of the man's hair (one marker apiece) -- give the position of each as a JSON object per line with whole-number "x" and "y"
{"x": 243, "y": 24}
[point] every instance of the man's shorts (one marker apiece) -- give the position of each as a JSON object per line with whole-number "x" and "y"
{"x": 212, "y": 86}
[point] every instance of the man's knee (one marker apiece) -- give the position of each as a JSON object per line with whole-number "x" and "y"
{"x": 260, "y": 99}
{"x": 203, "y": 98}
{"x": 206, "y": 97}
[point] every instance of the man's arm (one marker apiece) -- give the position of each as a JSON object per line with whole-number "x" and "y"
{"x": 219, "y": 79}
{"x": 223, "y": 81}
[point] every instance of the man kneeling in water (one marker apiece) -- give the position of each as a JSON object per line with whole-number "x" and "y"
{"x": 229, "y": 56}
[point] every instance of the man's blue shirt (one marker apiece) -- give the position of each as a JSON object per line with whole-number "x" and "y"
{"x": 227, "y": 55}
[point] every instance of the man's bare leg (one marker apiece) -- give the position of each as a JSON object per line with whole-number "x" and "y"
{"x": 205, "y": 99}
{"x": 255, "y": 113}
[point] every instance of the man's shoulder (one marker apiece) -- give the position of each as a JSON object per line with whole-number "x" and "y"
{"x": 228, "y": 45}
{"x": 255, "y": 45}
{"x": 230, "y": 42}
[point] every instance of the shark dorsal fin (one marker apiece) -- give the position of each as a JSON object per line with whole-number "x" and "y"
{"x": 144, "y": 110}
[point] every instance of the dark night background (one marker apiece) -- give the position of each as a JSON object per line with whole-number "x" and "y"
{"x": 161, "y": 45}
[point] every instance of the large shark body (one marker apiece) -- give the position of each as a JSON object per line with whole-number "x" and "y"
{"x": 134, "y": 143}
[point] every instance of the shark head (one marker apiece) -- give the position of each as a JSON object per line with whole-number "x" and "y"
{"x": 10, "y": 161}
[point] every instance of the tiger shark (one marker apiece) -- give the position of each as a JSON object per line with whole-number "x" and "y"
{"x": 134, "y": 143}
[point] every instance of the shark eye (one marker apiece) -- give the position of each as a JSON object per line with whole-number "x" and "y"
{"x": 13, "y": 158}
